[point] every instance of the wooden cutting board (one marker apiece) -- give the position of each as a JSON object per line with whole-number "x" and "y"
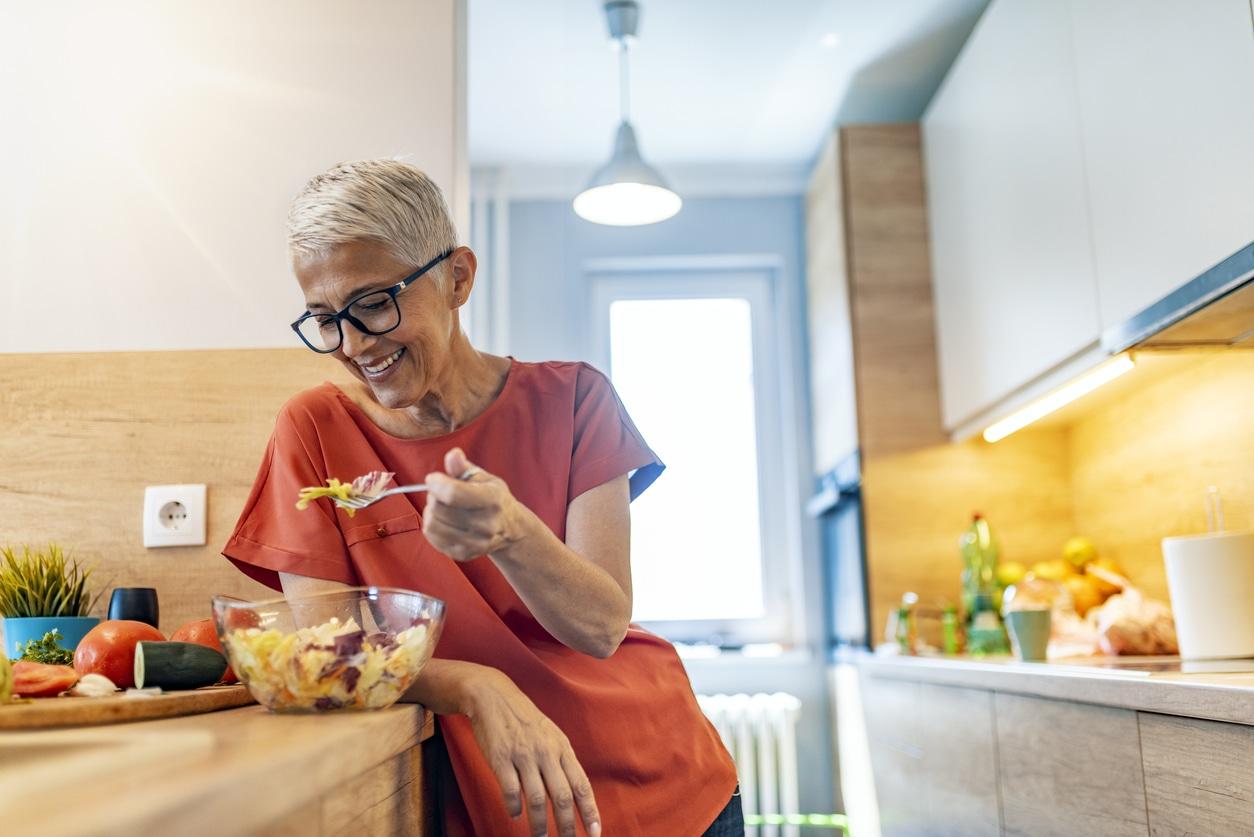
{"x": 42, "y": 713}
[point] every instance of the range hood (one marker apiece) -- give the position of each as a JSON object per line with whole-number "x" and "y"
{"x": 1214, "y": 310}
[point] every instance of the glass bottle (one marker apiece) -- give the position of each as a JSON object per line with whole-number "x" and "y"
{"x": 980, "y": 592}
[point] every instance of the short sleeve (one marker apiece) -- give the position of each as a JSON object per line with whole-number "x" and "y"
{"x": 606, "y": 441}
{"x": 272, "y": 535}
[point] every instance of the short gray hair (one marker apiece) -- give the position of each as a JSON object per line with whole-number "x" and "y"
{"x": 387, "y": 201}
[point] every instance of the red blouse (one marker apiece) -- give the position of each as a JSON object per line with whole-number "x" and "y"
{"x": 555, "y": 431}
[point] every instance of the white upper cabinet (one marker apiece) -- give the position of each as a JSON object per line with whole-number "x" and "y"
{"x": 1166, "y": 90}
{"x": 1011, "y": 254}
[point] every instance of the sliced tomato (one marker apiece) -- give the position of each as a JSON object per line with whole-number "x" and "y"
{"x": 32, "y": 679}
{"x": 203, "y": 632}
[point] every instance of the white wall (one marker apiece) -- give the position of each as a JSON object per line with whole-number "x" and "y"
{"x": 151, "y": 150}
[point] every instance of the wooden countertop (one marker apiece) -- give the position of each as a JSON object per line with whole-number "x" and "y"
{"x": 1218, "y": 697}
{"x": 229, "y": 772}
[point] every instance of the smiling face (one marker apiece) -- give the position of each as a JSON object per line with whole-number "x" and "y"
{"x": 402, "y": 366}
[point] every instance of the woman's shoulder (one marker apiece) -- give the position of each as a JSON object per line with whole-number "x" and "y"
{"x": 572, "y": 377}
{"x": 312, "y": 409}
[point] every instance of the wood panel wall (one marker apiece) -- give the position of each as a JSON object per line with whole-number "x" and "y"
{"x": 81, "y": 435}
{"x": 917, "y": 505}
{"x": 1141, "y": 464}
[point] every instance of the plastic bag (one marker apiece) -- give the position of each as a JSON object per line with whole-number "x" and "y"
{"x": 1130, "y": 624}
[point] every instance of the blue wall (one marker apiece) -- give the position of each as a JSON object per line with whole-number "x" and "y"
{"x": 549, "y": 320}
{"x": 549, "y": 243}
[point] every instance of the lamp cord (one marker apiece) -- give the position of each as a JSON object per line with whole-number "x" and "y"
{"x": 624, "y": 82}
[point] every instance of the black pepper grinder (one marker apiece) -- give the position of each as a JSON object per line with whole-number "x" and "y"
{"x": 138, "y": 604}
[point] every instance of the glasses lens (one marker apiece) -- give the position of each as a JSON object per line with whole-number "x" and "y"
{"x": 377, "y": 312}
{"x": 322, "y": 333}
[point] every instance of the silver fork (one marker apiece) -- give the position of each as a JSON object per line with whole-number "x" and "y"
{"x": 359, "y": 502}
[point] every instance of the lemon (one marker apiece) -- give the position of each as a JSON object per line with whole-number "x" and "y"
{"x": 1079, "y": 551}
{"x": 6, "y": 678}
{"x": 1052, "y": 570}
{"x": 1010, "y": 572}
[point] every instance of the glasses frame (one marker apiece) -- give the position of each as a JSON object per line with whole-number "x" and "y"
{"x": 342, "y": 315}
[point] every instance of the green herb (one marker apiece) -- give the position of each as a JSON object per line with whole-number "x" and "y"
{"x": 42, "y": 583}
{"x": 48, "y": 650}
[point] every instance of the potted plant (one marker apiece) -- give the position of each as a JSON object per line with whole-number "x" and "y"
{"x": 43, "y": 590}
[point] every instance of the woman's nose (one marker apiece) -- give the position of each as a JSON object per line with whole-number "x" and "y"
{"x": 354, "y": 340}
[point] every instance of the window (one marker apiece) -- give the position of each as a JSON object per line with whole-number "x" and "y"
{"x": 693, "y": 359}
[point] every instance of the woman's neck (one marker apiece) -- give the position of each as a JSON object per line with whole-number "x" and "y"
{"x": 466, "y": 384}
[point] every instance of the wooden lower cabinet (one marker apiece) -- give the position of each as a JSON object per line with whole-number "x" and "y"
{"x": 1068, "y": 768}
{"x": 933, "y": 757}
{"x": 391, "y": 799}
{"x": 1199, "y": 775}
{"x": 969, "y": 761}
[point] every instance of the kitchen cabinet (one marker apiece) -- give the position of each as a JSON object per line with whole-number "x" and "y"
{"x": 1198, "y": 777}
{"x": 832, "y": 392}
{"x": 869, "y": 296}
{"x": 238, "y": 771}
{"x": 1100, "y": 753}
{"x": 1166, "y": 101}
{"x": 1011, "y": 254}
{"x": 1084, "y": 160}
{"x": 933, "y": 757}
{"x": 391, "y": 798}
{"x": 1068, "y": 768}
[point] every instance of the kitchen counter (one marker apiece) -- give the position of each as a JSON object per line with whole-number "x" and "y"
{"x": 240, "y": 771}
{"x": 1212, "y": 696}
{"x": 997, "y": 746}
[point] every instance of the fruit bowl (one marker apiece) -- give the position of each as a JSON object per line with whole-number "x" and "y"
{"x": 355, "y": 648}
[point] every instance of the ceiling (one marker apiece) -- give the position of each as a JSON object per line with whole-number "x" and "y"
{"x": 740, "y": 87}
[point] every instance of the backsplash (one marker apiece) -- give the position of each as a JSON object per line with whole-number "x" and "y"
{"x": 85, "y": 433}
{"x": 1125, "y": 472}
{"x": 1140, "y": 466}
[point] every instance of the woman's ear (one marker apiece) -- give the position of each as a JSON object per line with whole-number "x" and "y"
{"x": 462, "y": 267}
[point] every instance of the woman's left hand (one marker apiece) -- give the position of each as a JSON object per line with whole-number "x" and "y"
{"x": 468, "y": 518}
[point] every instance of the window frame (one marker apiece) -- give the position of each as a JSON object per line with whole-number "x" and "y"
{"x": 755, "y": 280}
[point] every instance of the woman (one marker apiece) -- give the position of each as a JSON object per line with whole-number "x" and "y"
{"x": 553, "y": 708}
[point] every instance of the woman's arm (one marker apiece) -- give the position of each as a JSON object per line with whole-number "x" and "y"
{"x": 580, "y": 590}
{"x": 531, "y": 757}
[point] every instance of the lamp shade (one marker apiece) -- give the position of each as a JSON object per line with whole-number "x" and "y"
{"x": 627, "y": 191}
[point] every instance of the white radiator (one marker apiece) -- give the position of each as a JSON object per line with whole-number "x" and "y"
{"x": 760, "y": 731}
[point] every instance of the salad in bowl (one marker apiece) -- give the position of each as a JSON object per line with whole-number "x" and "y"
{"x": 356, "y": 648}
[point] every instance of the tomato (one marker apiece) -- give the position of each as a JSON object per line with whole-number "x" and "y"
{"x": 32, "y": 679}
{"x": 203, "y": 632}
{"x": 238, "y": 618}
{"x": 109, "y": 649}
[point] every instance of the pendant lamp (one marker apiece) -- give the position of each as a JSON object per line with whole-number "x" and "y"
{"x": 626, "y": 191}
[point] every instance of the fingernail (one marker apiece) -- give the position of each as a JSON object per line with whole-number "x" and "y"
{"x": 594, "y": 830}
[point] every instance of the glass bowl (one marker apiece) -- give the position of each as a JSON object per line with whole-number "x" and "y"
{"x": 356, "y": 648}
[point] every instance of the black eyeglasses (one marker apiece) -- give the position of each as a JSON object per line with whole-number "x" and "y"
{"x": 374, "y": 312}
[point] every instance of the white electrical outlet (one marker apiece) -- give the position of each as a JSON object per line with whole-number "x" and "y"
{"x": 174, "y": 515}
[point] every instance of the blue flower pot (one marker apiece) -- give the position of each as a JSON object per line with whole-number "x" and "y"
{"x": 17, "y": 631}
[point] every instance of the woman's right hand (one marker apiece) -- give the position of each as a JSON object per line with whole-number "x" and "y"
{"x": 531, "y": 757}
